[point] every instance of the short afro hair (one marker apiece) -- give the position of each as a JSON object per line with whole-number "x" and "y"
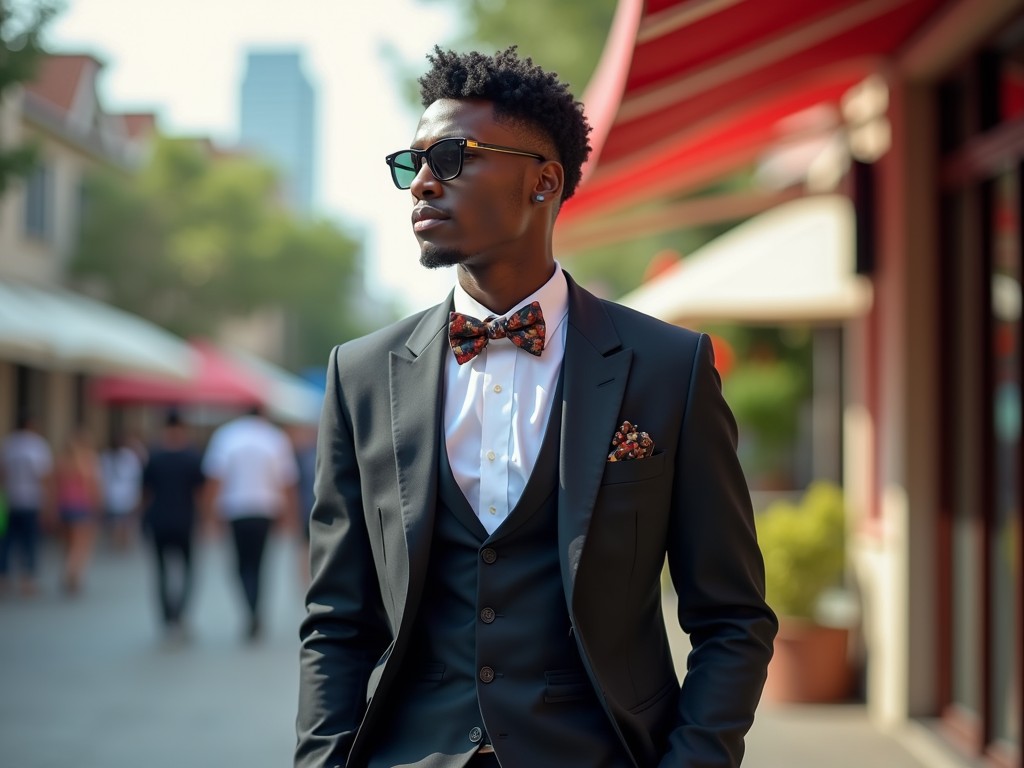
{"x": 520, "y": 91}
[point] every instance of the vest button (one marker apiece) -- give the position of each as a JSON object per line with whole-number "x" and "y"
{"x": 486, "y": 674}
{"x": 475, "y": 734}
{"x": 487, "y": 615}
{"x": 489, "y": 555}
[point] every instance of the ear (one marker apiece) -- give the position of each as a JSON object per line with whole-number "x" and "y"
{"x": 549, "y": 181}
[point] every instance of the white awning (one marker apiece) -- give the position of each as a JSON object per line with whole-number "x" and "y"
{"x": 55, "y": 328}
{"x": 794, "y": 263}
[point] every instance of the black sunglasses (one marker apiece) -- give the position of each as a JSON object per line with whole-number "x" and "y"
{"x": 444, "y": 158}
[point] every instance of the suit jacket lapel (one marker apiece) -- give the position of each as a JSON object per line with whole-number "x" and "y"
{"x": 415, "y": 426}
{"x": 596, "y": 370}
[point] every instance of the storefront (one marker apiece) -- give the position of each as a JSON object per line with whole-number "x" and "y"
{"x": 932, "y": 460}
{"x": 981, "y": 171}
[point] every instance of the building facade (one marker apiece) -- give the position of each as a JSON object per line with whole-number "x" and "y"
{"x": 914, "y": 109}
{"x": 51, "y": 338}
{"x": 939, "y": 380}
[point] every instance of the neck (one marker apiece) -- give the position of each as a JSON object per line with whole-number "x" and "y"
{"x": 502, "y": 287}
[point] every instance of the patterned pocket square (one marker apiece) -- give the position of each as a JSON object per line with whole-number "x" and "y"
{"x": 630, "y": 443}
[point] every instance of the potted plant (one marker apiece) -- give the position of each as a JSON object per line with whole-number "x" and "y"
{"x": 805, "y": 557}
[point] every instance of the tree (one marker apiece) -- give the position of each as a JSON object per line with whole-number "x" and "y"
{"x": 21, "y": 26}
{"x": 194, "y": 240}
{"x": 565, "y": 36}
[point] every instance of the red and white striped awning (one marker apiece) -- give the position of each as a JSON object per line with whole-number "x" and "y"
{"x": 688, "y": 91}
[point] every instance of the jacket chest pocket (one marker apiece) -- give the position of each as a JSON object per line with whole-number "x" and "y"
{"x": 628, "y": 524}
{"x": 634, "y": 470}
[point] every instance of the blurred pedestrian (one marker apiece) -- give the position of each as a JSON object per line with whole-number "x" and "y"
{"x": 303, "y": 438}
{"x": 251, "y": 482}
{"x": 171, "y": 482}
{"x": 26, "y": 477}
{"x": 79, "y": 500}
{"x": 121, "y": 472}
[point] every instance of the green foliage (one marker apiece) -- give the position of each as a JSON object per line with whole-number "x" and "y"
{"x": 192, "y": 241}
{"x": 615, "y": 270}
{"x": 563, "y": 36}
{"x": 804, "y": 549}
{"x": 620, "y": 267}
{"x": 766, "y": 390}
{"x": 21, "y": 27}
{"x": 762, "y": 393}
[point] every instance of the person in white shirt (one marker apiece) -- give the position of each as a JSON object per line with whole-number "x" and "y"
{"x": 121, "y": 478}
{"x": 252, "y": 476}
{"x": 26, "y": 477}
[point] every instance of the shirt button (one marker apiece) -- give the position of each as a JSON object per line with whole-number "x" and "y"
{"x": 475, "y": 734}
{"x": 489, "y": 555}
{"x": 492, "y": 510}
{"x": 490, "y": 455}
{"x": 497, "y": 387}
{"x": 486, "y": 674}
{"x": 487, "y": 615}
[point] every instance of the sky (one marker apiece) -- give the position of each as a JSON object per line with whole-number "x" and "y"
{"x": 185, "y": 60}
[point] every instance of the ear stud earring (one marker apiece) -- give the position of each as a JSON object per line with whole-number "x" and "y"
{"x": 539, "y": 198}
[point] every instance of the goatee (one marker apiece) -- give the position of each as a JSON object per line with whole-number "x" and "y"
{"x": 436, "y": 257}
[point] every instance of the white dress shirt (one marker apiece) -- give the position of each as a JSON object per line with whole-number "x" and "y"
{"x": 496, "y": 406}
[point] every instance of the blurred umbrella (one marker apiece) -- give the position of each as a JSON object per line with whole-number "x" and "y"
{"x": 225, "y": 377}
{"x": 216, "y": 380}
{"x": 289, "y": 398}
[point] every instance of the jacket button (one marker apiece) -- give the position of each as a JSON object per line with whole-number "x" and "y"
{"x": 475, "y": 734}
{"x": 487, "y": 615}
{"x": 489, "y": 555}
{"x": 486, "y": 674}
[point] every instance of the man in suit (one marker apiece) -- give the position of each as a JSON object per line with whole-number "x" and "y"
{"x": 486, "y": 579}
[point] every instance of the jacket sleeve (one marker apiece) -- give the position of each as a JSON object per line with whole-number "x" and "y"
{"x": 345, "y": 631}
{"x": 718, "y": 574}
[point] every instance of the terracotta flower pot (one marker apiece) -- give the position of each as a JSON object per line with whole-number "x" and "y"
{"x": 811, "y": 664}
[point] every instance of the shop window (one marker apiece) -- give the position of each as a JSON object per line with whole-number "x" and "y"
{"x": 981, "y": 137}
{"x": 1004, "y": 540}
{"x": 39, "y": 203}
{"x": 1009, "y": 70}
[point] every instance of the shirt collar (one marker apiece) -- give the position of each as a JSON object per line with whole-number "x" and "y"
{"x": 553, "y": 297}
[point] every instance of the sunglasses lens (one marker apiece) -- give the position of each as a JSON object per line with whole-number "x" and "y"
{"x": 445, "y": 159}
{"x": 404, "y": 166}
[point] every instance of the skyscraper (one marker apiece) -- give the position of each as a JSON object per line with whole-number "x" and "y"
{"x": 277, "y": 120}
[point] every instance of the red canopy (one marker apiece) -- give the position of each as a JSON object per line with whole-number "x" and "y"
{"x": 689, "y": 91}
{"x": 216, "y": 381}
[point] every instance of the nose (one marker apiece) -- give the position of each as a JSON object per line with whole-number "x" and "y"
{"x": 425, "y": 185}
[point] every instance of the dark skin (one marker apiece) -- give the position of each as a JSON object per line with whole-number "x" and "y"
{"x": 487, "y": 221}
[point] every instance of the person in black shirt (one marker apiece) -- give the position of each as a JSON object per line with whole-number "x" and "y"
{"x": 171, "y": 482}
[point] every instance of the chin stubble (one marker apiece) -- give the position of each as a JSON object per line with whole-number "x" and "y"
{"x": 435, "y": 257}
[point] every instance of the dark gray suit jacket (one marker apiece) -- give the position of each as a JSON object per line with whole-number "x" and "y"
{"x": 372, "y": 522}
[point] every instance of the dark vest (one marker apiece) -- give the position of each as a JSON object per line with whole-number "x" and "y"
{"x": 493, "y": 657}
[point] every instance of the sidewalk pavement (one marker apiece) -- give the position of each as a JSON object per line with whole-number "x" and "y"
{"x": 88, "y": 682}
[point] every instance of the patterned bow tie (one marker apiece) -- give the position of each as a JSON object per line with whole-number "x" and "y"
{"x": 524, "y": 328}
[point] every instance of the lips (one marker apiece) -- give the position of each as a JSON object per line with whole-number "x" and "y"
{"x": 426, "y": 217}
